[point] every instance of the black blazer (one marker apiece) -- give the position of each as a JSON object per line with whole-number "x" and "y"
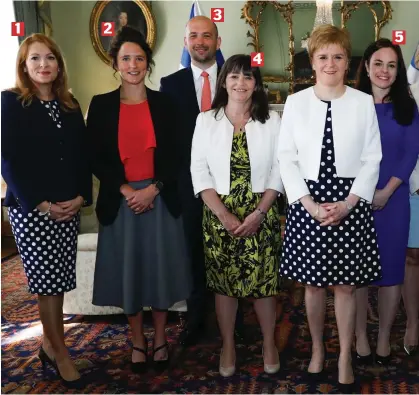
{"x": 102, "y": 126}
{"x": 181, "y": 88}
{"x": 40, "y": 161}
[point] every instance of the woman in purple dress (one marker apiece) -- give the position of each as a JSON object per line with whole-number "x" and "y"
{"x": 382, "y": 73}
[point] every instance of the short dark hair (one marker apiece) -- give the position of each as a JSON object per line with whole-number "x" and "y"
{"x": 403, "y": 102}
{"x": 129, "y": 34}
{"x": 259, "y": 109}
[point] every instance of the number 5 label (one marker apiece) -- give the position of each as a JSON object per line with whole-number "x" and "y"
{"x": 107, "y": 29}
{"x": 18, "y": 28}
{"x": 257, "y": 59}
{"x": 217, "y": 14}
{"x": 399, "y": 37}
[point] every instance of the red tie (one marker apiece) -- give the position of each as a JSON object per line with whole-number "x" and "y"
{"x": 206, "y": 93}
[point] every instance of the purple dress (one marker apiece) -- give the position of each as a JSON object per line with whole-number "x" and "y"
{"x": 400, "y": 147}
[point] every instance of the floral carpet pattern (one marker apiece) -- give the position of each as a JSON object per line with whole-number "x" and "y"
{"x": 101, "y": 348}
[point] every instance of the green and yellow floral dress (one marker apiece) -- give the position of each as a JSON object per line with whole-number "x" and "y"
{"x": 242, "y": 266}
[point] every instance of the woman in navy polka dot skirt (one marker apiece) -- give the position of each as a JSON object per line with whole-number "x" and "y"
{"x": 329, "y": 154}
{"x": 45, "y": 166}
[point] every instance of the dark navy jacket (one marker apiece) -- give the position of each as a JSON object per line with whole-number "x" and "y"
{"x": 40, "y": 161}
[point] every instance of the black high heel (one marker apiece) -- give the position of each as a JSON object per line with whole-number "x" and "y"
{"x": 161, "y": 364}
{"x": 45, "y": 360}
{"x": 383, "y": 361}
{"x": 347, "y": 388}
{"x": 364, "y": 359}
{"x": 140, "y": 367}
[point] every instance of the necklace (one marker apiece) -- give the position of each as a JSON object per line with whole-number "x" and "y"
{"x": 51, "y": 113}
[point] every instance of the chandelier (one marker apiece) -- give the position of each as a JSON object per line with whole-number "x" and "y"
{"x": 323, "y": 17}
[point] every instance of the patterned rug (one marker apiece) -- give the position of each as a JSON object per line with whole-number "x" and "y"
{"x": 101, "y": 348}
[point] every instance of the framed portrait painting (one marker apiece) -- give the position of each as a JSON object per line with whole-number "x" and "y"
{"x": 133, "y": 13}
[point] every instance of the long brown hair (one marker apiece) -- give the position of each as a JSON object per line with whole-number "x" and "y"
{"x": 24, "y": 86}
{"x": 404, "y": 105}
{"x": 259, "y": 109}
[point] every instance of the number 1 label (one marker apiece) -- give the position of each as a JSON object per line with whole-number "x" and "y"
{"x": 18, "y": 28}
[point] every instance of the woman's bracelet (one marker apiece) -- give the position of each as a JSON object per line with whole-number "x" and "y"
{"x": 317, "y": 211}
{"x": 261, "y": 212}
{"x": 48, "y": 212}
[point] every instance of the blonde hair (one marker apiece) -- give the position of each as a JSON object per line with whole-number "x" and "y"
{"x": 325, "y": 35}
{"x": 24, "y": 85}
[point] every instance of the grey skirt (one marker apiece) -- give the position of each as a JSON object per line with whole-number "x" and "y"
{"x": 142, "y": 260}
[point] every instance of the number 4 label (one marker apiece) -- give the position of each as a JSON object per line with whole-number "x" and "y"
{"x": 399, "y": 37}
{"x": 217, "y": 14}
{"x": 257, "y": 59}
{"x": 18, "y": 28}
{"x": 107, "y": 29}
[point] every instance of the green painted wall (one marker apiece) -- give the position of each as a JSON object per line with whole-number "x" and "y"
{"x": 89, "y": 75}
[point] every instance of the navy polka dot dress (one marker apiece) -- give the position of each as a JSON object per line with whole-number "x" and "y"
{"x": 333, "y": 255}
{"x": 48, "y": 248}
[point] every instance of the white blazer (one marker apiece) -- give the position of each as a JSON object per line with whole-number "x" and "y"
{"x": 211, "y": 151}
{"x": 356, "y": 139}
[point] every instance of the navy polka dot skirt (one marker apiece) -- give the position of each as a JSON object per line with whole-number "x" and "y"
{"x": 48, "y": 250}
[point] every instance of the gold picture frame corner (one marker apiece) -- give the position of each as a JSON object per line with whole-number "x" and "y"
{"x": 94, "y": 27}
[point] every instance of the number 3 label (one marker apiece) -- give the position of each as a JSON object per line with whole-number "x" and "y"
{"x": 217, "y": 14}
{"x": 257, "y": 59}
{"x": 18, "y": 28}
{"x": 399, "y": 37}
{"x": 107, "y": 29}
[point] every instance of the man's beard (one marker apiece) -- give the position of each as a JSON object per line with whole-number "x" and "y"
{"x": 209, "y": 56}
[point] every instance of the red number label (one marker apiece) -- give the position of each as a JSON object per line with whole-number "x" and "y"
{"x": 257, "y": 59}
{"x": 107, "y": 29}
{"x": 217, "y": 14}
{"x": 18, "y": 28}
{"x": 399, "y": 37}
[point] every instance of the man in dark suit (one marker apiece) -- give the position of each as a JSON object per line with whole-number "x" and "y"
{"x": 189, "y": 88}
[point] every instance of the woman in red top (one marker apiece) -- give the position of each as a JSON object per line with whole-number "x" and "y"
{"x": 141, "y": 257}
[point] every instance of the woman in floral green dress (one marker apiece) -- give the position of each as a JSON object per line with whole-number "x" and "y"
{"x": 235, "y": 171}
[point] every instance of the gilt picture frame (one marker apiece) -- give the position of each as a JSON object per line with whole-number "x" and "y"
{"x": 135, "y": 13}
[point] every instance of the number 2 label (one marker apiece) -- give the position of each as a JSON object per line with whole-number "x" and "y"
{"x": 257, "y": 59}
{"x": 107, "y": 29}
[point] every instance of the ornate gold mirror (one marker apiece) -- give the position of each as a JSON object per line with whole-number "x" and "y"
{"x": 278, "y": 29}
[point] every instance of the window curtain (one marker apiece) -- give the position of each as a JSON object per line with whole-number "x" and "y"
{"x": 36, "y": 15}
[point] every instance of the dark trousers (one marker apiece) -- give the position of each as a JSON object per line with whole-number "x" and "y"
{"x": 192, "y": 222}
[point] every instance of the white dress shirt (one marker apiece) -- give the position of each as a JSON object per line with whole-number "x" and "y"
{"x": 199, "y": 81}
{"x": 356, "y": 139}
{"x": 211, "y": 153}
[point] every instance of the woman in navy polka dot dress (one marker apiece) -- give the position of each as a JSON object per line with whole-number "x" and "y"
{"x": 45, "y": 166}
{"x": 329, "y": 153}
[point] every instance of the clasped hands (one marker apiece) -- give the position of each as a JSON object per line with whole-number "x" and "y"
{"x": 236, "y": 228}
{"x": 139, "y": 200}
{"x": 330, "y": 214}
{"x": 62, "y": 211}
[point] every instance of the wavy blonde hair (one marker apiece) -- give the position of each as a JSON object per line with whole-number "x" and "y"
{"x": 325, "y": 35}
{"x": 24, "y": 86}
